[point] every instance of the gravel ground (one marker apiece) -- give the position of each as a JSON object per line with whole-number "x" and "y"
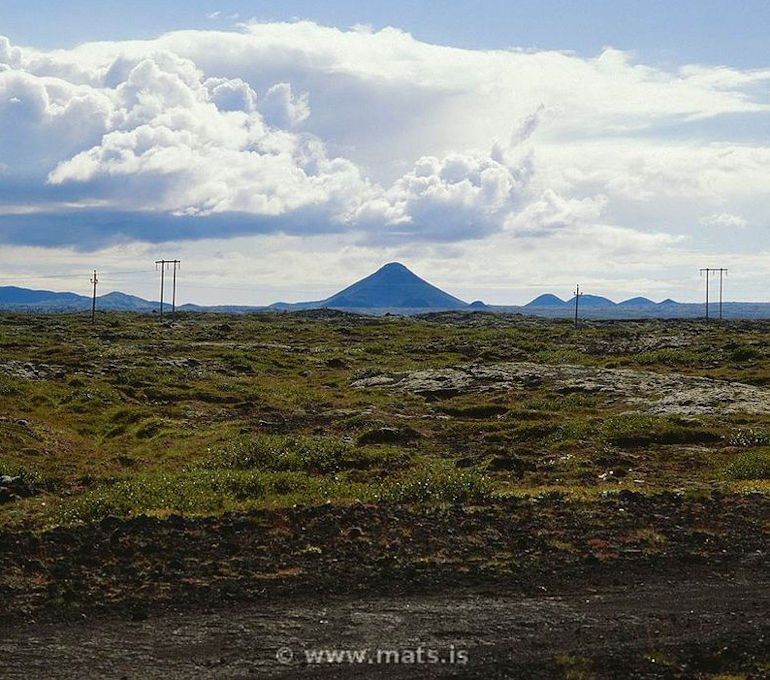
{"x": 628, "y": 586}
{"x": 644, "y": 630}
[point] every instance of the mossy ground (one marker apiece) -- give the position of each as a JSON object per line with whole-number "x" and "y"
{"x": 215, "y": 413}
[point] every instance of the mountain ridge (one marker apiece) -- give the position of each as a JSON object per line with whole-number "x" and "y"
{"x": 393, "y": 288}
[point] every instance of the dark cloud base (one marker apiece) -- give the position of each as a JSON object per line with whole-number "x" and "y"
{"x": 93, "y": 230}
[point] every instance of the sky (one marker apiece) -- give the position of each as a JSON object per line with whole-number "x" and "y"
{"x": 283, "y": 150}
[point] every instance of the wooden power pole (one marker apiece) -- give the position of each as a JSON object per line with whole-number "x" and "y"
{"x": 94, "y": 280}
{"x": 163, "y": 264}
{"x": 577, "y": 303}
{"x": 708, "y": 271}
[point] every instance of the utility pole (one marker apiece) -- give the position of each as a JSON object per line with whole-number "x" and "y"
{"x": 163, "y": 264}
{"x": 722, "y": 272}
{"x": 176, "y": 263}
{"x": 94, "y": 280}
{"x": 577, "y": 303}
{"x": 708, "y": 271}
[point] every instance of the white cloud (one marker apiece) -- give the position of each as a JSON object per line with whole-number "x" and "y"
{"x": 382, "y": 139}
{"x": 216, "y": 16}
{"x": 456, "y": 197}
{"x": 282, "y": 108}
{"x": 724, "y": 220}
{"x": 44, "y": 119}
{"x": 188, "y": 144}
{"x": 231, "y": 94}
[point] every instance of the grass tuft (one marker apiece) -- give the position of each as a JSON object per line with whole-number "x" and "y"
{"x": 436, "y": 486}
{"x": 749, "y": 465}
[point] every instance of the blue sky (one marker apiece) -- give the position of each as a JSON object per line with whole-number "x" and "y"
{"x": 500, "y": 149}
{"x": 661, "y": 31}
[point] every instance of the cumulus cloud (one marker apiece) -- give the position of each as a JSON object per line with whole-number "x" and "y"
{"x": 44, "y": 119}
{"x": 231, "y": 94}
{"x": 282, "y": 108}
{"x": 457, "y": 197}
{"x": 552, "y": 213}
{"x": 186, "y": 144}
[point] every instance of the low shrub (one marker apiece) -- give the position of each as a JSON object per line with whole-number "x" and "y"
{"x": 201, "y": 492}
{"x": 669, "y": 357}
{"x": 12, "y": 469}
{"x": 151, "y": 428}
{"x": 10, "y": 386}
{"x": 275, "y": 453}
{"x": 475, "y": 410}
{"x": 745, "y": 353}
{"x": 749, "y": 465}
{"x": 426, "y": 486}
{"x": 190, "y": 491}
{"x": 639, "y": 429}
{"x": 749, "y": 437}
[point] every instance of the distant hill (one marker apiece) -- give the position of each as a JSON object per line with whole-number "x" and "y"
{"x": 636, "y": 302}
{"x": 220, "y": 309}
{"x": 24, "y": 299}
{"x": 13, "y": 295}
{"x": 546, "y": 300}
{"x": 592, "y": 301}
{"x": 392, "y": 287}
{"x": 118, "y": 301}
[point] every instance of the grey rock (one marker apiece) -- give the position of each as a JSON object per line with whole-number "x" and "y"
{"x": 652, "y": 392}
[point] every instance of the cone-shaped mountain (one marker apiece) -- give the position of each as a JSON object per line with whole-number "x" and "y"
{"x": 393, "y": 286}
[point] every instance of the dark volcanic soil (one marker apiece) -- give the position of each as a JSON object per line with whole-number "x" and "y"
{"x": 652, "y": 630}
{"x": 535, "y": 587}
